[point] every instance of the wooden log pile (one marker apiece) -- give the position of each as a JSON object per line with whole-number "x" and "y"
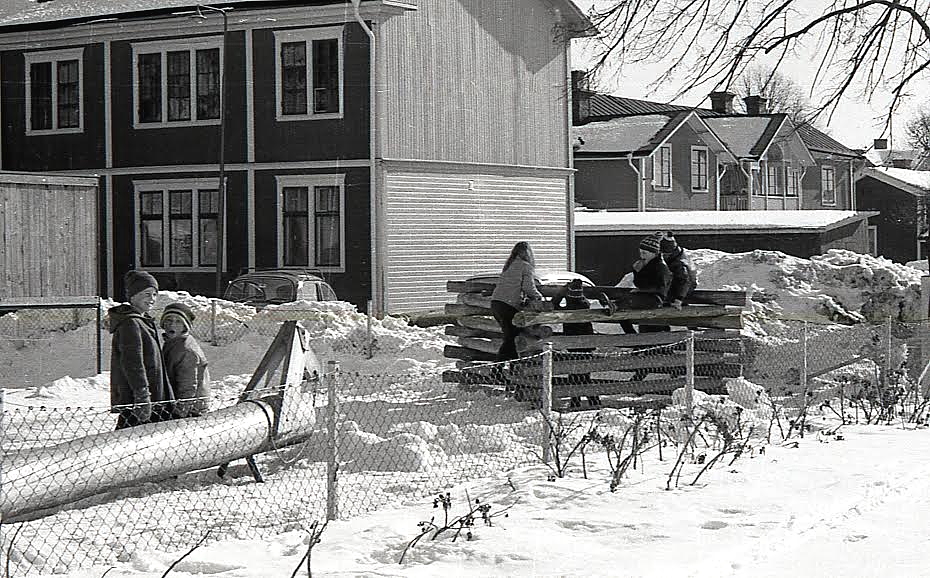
{"x": 615, "y": 369}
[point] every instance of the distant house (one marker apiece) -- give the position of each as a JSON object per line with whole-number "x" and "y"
{"x": 881, "y": 155}
{"x": 901, "y": 197}
{"x": 374, "y": 149}
{"x": 641, "y": 156}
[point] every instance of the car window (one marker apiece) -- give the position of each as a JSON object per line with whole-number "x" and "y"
{"x": 279, "y": 290}
{"x": 327, "y": 293}
{"x": 244, "y": 290}
{"x": 307, "y": 291}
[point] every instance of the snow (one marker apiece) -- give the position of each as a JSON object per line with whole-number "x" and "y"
{"x": 833, "y": 505}
{"x": 919, "y": 179}
{"x": 681, "y": 221}
{"x": 606, "y": 136}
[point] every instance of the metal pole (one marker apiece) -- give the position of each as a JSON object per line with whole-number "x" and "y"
{"x": 213, "y": 321}
{"x": 99, "y": 337}
{"x": 689, "y": 375}
{"x": 370, "y": 344}
{"x": 803, "y": 376}
{"x": 546, "y": 399}
{"x": 332, "y": 453}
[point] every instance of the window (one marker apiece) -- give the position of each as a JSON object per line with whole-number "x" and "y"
{"x": 312, "y": 221}
{"x": 177, "y": 82}
{"x": 662, "y": 168}
{"x": 177, "y": 223}
{"x": 774, "y": 179}
{"x": 828, "y": 186}
{"x": 794, "y": 182}
{"x": 54, "y": 88}
{"x": 309, "y": 66}
{"x": 756, "y": 174}
{"x": 699, "y": 168}
{"x": 872, "y": 232}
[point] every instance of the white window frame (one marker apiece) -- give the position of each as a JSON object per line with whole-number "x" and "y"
{"x": 872, "y": 238}
{"x": 163, "y": 186}
{"x": 823, "y": 190}
{"x": 657, "y": 162}
{"x": 311, "y": 181}
{"x": 775, "y": 169}
{"x": 792, "y": 182}
{"x": 308, "y": 35}
{"x": 163, "y": 47}
{"x": 706, "y": 187}
{"x": 54, "y": 57}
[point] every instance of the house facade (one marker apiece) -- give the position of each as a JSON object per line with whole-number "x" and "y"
{"x": 369, "y": 146}
{"x": 900, "y": 196}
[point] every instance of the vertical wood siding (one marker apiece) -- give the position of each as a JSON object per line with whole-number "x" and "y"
{"x": 441, "y": 227}
{"x": 48, "y": 244}
{"x": 475, "y": 81}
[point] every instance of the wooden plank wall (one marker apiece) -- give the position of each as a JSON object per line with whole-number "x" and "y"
{"x": 48, "y": 239}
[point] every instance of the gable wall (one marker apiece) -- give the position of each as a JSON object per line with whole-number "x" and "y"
{"x": 897, "y": 222}
{"x": 606, "y": 184}
{"x": 681, "y": 196}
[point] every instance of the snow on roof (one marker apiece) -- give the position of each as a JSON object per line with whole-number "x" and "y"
{"x": 718, "y": 221}
{"x": 920, "y": 179}
{"x": 741, "y": 133}
{"x": 619, "y": 135}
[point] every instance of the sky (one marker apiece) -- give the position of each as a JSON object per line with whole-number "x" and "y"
{"x": 855, "y": 123}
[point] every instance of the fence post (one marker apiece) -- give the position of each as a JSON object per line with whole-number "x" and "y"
{"x": 887, "y": 377}
{"x": 213, "y": 321}
{"x": 686, "y": 421}
{"x": 370, "y": 344}
{"x": 803, "y": 376}
{"x": 546, "y": 401}
{"x": 99, "y": 336}
{"x": 332, "y": 449}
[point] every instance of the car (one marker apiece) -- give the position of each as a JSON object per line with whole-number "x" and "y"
{"x": 275, "y": 286}
{"x": 547, "y": 279}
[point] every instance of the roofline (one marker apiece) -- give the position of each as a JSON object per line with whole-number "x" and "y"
{"x": 586, "y": 28}
{"x": 626, "y": 229}
{"x": 884, "y": 177}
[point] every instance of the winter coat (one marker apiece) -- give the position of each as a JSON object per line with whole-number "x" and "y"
{"x": 574, "y": 304}
{"x": 514, "y": 282}
{"x": 684, "y": 279}
{"x": 186, "y": 366}
{"x": 137, "y": 374}
{"x": 654, "y": 278}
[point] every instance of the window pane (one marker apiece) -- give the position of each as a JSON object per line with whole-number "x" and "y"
{"x": 179, "y": 85}
{"x": 295, "y": 199}
{"x": 181, "y": 242}
{"x": 179, "y": 203}
{"x": 150, "y": 203}
{"x": 149, "y": 88}
{"x": 208, "y": 83}
{"x": 40, "y": 78}
{"x": 207, "y": 241}
{"x": 69, "y": 94}
{"x": 326, "y": 226}
{"x": 294, "y": 78}
{"x": 326, "y": 75}
{"x": 208, "y": 203}
{"x": 699, "y": 169}
{"x": 295, "y": 241}
{"x": 151, "y": 241}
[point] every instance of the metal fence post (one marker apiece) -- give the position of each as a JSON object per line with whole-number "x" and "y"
{"x": 546, "y": 401}
{"x": 332, "y": 449}
{"x": 99, "y": 336}
{"x": 803, "y": 376}
{"x": 213, "y": 321}
{"x": 689, "y": 375}
{"x": 887, "y": 378}
{"x": 371, "y": 352}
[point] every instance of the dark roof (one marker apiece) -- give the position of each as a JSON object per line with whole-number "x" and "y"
{"x": 605, "y": 106}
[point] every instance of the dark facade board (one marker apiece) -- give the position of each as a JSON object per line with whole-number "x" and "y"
{"x": 605, "y": 259}
{"x": 325, "y": 139}
{"x": 681, "y": 196}
{"x": 812, "y": 186}
{"x": 355, "y": 284}
{"x": 52, "y": 152}
{"x": 180, "y": 145}
{"x": 194, "y": 282}
{"x": 896, "y": 225}
{"x": 607, "y": 184}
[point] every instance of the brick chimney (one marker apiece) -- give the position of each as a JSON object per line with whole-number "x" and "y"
{"x": 755, "y": 104}
{"x": 880, "y": 144}
{"x": 722, "y": 102}
{"x": 581, "y": 96}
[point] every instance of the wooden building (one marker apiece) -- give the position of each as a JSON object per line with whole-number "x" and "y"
{"x": 900, "y": 196}
{"x": 389, "y": 149}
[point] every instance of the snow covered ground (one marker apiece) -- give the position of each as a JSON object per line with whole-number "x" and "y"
{"x": 762, "y": 516}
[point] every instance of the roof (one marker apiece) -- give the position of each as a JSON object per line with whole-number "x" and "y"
{"x": 818, "y": 140}
{"x": 908, "y": 180}
{"x": 806, "y": 221}
{"x": 620, "y": 136}
{"x": 747, "y": 136}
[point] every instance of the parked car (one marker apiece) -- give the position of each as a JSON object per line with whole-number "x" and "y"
{"x": 548, "y": 280}
{"x": 274, "y": 286}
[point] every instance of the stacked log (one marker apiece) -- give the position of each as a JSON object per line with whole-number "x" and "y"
{"x": 714, "y": 316}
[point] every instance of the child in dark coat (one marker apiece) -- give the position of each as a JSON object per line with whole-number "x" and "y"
{"x": 652, "y": 279}
{"x": 684, "y": 279}
{"x": 185, "y": 362}
{"x": 139, "y": 388}
{"x": 573, "y": 300}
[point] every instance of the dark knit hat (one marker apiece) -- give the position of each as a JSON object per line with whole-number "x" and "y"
{"x": 575, "y": 290}
{"x": 668, "y": 244}
{"x": 138, "y": 280}
{"x": 650, "y": 243}
{"x": 180, "y": 310}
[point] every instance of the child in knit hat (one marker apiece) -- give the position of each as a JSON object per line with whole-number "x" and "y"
{"x": 652, "y": 279}
{"x": 185, "y": 362}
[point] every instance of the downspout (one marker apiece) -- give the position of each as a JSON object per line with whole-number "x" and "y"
{"x": 748, "y": 176}
{"x": 640, "y": 189}
{"x": 377, "y": 292}
{"x": 719, "y": 177}
{"x": 852, "y": 188}
{"x": 801, "y": 188}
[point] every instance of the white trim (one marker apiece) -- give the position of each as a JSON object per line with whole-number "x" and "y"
{"x": 163, "y": 186}
{"x": 108, "y": 179}
{"x": 54, "y": 57}
{"x": 249, "y": 100}
{"x": 656, "y": 172}
{"x": 107, "y": 105}
{"x": 706, "y": 188}
{"x": 230, "y": 167}
{"x": 823, "y": 200}
{"x": 308, "y": 35}
{"x": 311, "y": 181}
{"x": 872, "y": 239}
{"x": 250, "y": 209}
{"x": 162, "y": 47}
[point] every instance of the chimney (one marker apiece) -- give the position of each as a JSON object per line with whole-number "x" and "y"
{"x": 722, "y": 102}
{"x": 581, "y": 96}
{"x": 880, "y": 144}
{"x": 755, "y": 104}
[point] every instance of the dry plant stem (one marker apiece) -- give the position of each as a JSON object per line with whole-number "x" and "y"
{"x": 676, "y": 469}
{"x": 188, "y": 553}
{"x": 560, "y": 432}
{"x": 728, "y": 446}
{"x": 314, "y": 540}
{"x": 107, "y": 572}
{"x": 9, "y": 550}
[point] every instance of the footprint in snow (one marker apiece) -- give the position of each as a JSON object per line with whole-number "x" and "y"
{"x": 856, "y": 537}
{"x": 714, "y": 525}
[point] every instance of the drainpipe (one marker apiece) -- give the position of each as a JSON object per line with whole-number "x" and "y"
{"x": 748, "y": 176}
{"x": 801, "y": 188}
{"x": 377, "y": 293}
{"x": 640, "y": 189}
{"x": 719, "y": 176}
{"x": 852, "y": 188}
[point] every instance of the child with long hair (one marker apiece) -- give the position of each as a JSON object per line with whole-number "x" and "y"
{"x": 516, "y": 282}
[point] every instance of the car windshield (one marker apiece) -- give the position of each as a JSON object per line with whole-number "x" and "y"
{"x": 269, "y": 290}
